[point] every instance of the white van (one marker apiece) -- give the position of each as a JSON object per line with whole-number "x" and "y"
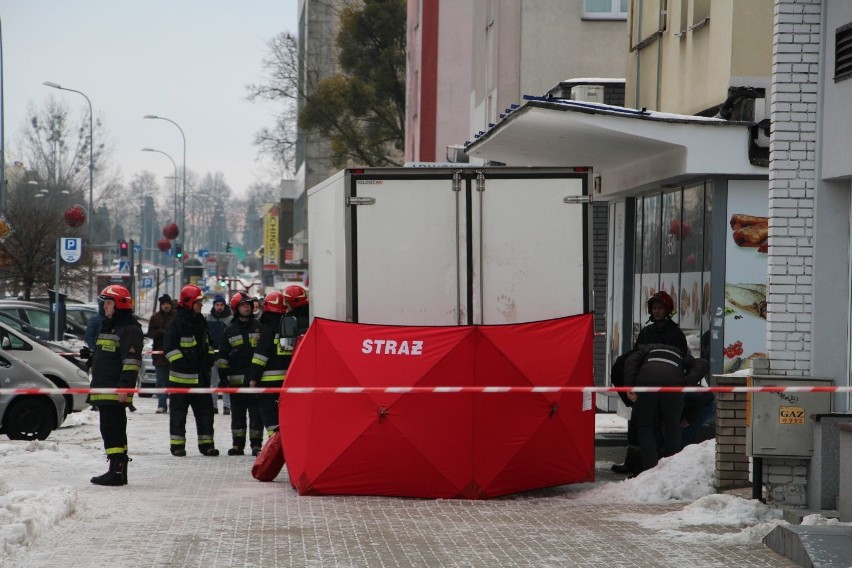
{"x": 43, "y": 357}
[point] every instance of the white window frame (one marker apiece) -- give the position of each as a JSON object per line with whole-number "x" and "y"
{"x": 614, "y": 13}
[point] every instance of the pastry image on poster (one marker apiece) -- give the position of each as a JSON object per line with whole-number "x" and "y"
{"x": 750, "y": 231}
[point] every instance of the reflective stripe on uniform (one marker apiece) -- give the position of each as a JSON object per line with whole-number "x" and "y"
{"x": 273, "y": 376}
{"x": 236, "y": 340}
{"x": 114, "y": 451}
{"x": 258, "y": 359}
{"x": 187, "y": 342}
{"x": 177, "y": 440}
{"x": 131, "y": 365}
{"x": 174, "y": 355}
{"x": 237, "y": 379}
{"x": 183, "y": 378}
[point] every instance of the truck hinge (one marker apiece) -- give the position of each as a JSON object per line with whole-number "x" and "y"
{"x": 457, "y": 180}
{"x": 480, "y": 180}
{"x": 576, "y": 199}
{"x": 360, "y": 201}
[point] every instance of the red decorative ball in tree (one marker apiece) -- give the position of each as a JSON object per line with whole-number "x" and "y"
{"x": 164, "y": 245}
{"x": 171, "y": 231}
{"x": 75, "y": 216}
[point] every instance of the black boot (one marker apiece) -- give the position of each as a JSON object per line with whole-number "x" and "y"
{"x": 208, "y": 450}
{"x": 236, "y": 451}
{"x": 117, "y": 474}
{"x": 632, "y": 462}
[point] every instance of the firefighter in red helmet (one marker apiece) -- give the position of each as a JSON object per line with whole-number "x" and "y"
{"x": 190, "y": 355}
{"x": 236, "y": 349}
{"x": 271, "y": 359}
{"x": 116, "y": 362}
{"x": 297, "y": 302}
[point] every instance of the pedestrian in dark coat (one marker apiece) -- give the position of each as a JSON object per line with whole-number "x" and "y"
{"x": 157, "y": 331}
{"x": 116, "y": 363}
{"x": 217, "y": 320}
{"x": 187, "y": 347}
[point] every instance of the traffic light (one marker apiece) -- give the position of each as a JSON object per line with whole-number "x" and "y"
{"x": 179, "y": 251}
{"x": 228, "y": 246}
{"x": 122, "y": 247}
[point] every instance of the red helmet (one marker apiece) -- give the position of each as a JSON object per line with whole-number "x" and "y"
{"x": 119, "y": 294}
{"x": 190, "y": 294}
{"x": 663, "y": 297}
{"x": 295, "y": 296}
{"x": 239, "y": 298}
{"x": 274, "y": 302}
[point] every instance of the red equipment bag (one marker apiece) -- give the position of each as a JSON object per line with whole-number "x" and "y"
{"x": 270, "y": 461}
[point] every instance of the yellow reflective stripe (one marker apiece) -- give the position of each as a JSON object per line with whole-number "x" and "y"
{"x": 237, "y": 379}
{"x": 257, "y": 360}
{"x": 173, "y": 356}
{"x": 177, "y": 441}
{"x": 131, "y": 368}
{"x": 188, "y": 342}
{"x": 272, "y": 376}
{"x": 235, "y": 340}
{"x": 183, "y": 381}
{"x": 205, "y": 440}
{"x": 222, "y": 363}
{"x": 113, "y": 451}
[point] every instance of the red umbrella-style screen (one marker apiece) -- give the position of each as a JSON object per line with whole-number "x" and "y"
{"x": 456, "y": 444}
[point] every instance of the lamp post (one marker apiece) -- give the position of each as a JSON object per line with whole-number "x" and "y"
{"x": 174, "y": 212}
{"x": 183, "y": 194}
{"x": 91, "y": 175}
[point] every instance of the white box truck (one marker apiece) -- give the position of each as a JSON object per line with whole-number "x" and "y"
{"x": 449, "y": 246}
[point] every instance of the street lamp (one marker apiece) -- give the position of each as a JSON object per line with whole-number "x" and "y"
{"x": 183, "y": 194}
{"x": 91, "y": 174}
{"x": 174, "y": 213}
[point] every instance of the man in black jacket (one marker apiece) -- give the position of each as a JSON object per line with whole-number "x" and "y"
{"x": 187, "y": 347}
{"x": 115, "y": 364}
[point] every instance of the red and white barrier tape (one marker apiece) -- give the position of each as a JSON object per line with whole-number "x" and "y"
{"x": 424, "y": 390}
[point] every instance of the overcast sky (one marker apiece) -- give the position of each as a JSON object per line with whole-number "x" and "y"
{"x": 188, "y": 60}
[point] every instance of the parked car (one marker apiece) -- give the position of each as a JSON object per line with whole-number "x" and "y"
{"x": 27, "y": 416}
{"x": 64, "y": 371}
{"x": 38, "y": 316}
{"x": 22, "y": 326}
{"x": 80, "y": 313}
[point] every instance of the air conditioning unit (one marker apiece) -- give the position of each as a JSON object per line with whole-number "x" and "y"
{"x": 588, "y": 93}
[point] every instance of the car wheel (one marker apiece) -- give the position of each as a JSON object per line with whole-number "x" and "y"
{"x": 29, "y": 418}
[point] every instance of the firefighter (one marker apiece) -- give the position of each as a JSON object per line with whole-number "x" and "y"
{"x": 236, "y": 348}
{"x": 296, "y": 298}
{"x": 270, "y": 360}
{"x": 116, "y": 363}
{"x": 187, "y": 347}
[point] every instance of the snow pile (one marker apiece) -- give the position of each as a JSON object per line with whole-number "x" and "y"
{"x": 819, "y": 520}
{"x": 686, "y": 476}
{"x": 610, "y": 423}
{"x": 25, "y": 514}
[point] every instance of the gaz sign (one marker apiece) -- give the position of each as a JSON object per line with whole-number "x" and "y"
{"x": 71, "y": 249}
{"x": 791, "y": 415}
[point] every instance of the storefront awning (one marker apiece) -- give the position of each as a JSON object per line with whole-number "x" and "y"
{"x": 629, "y": 149}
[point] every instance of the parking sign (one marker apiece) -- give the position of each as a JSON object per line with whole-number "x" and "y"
{"x": 71, "y": 249}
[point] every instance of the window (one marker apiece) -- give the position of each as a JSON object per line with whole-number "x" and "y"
{"x": 605, "y": 9}
{"x": 843, "y": 52}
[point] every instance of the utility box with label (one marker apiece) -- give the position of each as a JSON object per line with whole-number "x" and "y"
{"x": 780, "y": 424}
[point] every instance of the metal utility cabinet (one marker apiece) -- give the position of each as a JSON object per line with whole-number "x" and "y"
{"x": 781, "y": 424}
{"x": 441, "y": 246}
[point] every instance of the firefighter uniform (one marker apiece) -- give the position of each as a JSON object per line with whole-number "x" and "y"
{"x": 116, "y": 362}
{"x": 188, "y": 350}
{"x": 269, "y": 367}
{"x": 236, "y": 349}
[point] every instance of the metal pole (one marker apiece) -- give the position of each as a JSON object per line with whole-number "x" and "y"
{"x": 57, "y": 332}
{"x": 91, "y": 176}
{"x": 183, "y": 196}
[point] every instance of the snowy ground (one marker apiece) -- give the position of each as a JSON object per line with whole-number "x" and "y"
{"x": 42, "y": 483}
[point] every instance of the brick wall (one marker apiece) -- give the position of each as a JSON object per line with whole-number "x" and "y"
{"x": 600, "y": 232}
{"x": 731, "y": 459}
{"x": 795, "y": 67}
{"x": 792, "y": 179}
